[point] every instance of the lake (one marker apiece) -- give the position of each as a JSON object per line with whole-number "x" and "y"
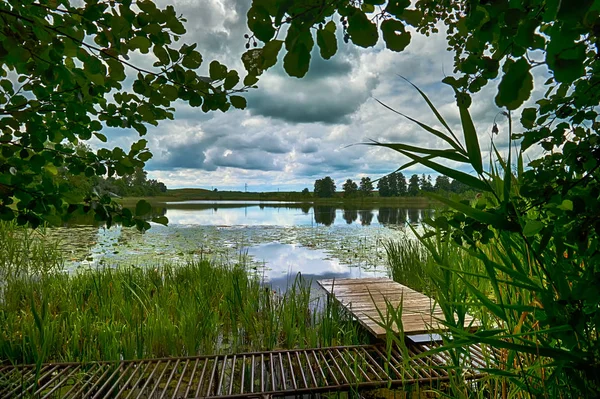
{"x": 276, "y": 239}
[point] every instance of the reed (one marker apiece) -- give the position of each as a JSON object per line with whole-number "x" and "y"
{"x": 141, "y": 312}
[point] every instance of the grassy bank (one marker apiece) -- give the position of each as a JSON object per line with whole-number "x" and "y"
{"x": 130, "y": 312}
{"x": 193, "y": 194}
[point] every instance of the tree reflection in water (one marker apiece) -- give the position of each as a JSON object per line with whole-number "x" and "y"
{"x": 366, "y": 217}
{"x": 391, "y": 216}
{"x": 325, "y": 215}
{"x": 350, "y": 215}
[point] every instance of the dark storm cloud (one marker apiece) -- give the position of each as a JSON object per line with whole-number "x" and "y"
{"x": 269, "y": 142}
{"x": 252, "y": 160}
{"x": 309, "y": 147}
{"x": 183, "y": 152}
{"x": 324, "y": 95}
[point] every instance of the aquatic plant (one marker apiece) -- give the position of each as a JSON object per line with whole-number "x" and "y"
{"x": 167, "y": 310}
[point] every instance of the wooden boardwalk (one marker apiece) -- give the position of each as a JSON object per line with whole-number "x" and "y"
{"x": 274, "y": 373}
{"x": 366, "y": 297}
{"x": 259, "y": 374}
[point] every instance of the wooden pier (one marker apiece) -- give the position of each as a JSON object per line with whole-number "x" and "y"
{"x": 272, "y": 373}
{"x": 259, "y": 374}
{"x": 368, "y": 299}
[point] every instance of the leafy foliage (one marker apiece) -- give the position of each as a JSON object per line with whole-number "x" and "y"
{"x": 350, "y": 188}
{"x": 325, "y": 187}
{"x": 484, "y": 36}
{"x": 65, "y": 76}
{"x": 535, "y": 228}
{"x": 539, "y": 257}
{"x": 366, "y": 187}
{"x": 392, "y": 185}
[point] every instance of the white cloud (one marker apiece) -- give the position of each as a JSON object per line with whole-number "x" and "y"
{"x": 297, "y": 130}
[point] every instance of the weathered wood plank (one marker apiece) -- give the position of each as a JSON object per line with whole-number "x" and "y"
{"x": 366, "y": 298}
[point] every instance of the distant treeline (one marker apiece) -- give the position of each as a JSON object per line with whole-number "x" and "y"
{"x": 392, "y": 185}
{"x": 395, "y": 185}
{"x": 134, "y": 185}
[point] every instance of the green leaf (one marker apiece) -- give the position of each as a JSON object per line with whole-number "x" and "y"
{"x": 170, "y": 92}
{"x": 101, "y": 137}
{"x": 394, "y": 35}
{"x": 327, "y": 43}
{"x": 142, "y": 208}
{"x": 250, "y": 80}
{"x": 566, "y": 205}
{"x": 471, "y": 139}
{"x": 161, "y": 54}
{"x": 161, "y": 220}
{"x": 140, "y": 42}
{"x": 270, "y": 53}
{"x": 516, "y": 84}
{"x": 217, "y": 71}
{"x": 396, "y": 7}
{"x": 231, "y": 80}
{"x": 412, "y": 17}
{"x": 532, "y": 227}
{"x": 447, "y": 154}
{"x": 299, "y": 45}
{"x": 487, "y": 303}
{"x": 259, "y": 22}
{"x": 362, "y": 31}
{"x": 52, "y": 169}
{"x": 253, "y": 61}
{"x": 238, "y": 102}
{"x": 528, "y": 117}
{"x": 431, "y": 130}
{"x": 192, "y": 60}
{"x": 498, "y": 221}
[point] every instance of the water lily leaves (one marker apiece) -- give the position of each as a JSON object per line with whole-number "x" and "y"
{"x": 516, "y": 84}
{"x": 396, "y": 38}
{"x": 362, "y": 31}
{"x": 259, "y": 22}
{"x": 327, "y": 41}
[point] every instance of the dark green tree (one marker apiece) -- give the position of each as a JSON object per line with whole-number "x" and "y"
{"x": 324, "y": 188}
{"x": 393, "y": 179}
{"x": 65, "y": 75}
{"x": 383, "y": 186}
{"x": 458, "y": 187}
{"x": 400, "y": 184}
{"x": 413, "y": 186}
{"x": 366, "y": 187}
{"x": 442, "y": 183}
{"x": 305, "y": 192}
{"x": 425, "y": 183}
{"x": 350, "y": 189}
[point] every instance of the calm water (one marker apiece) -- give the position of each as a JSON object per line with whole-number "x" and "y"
{"x": 276, "y": 239}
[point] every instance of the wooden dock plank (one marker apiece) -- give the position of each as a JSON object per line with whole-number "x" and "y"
{"x": 366, "y": 298}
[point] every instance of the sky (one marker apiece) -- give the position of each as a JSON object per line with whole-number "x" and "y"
{"x": 295, "y": 131}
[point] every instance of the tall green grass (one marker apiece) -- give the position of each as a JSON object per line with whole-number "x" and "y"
{"x": 522, "y": 257}
{"x": 141, "y": 312}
